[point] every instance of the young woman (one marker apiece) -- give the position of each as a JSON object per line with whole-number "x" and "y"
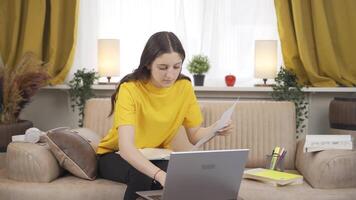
{"x": 149, "y": 106}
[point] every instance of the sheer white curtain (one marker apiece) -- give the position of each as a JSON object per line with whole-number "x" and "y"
{"x": 224, "y": 30}
{"x": 133, "y": 22}
{"x": 229, "y": 31}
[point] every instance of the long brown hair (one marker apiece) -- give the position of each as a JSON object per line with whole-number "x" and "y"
{"x": 158, "y": 44}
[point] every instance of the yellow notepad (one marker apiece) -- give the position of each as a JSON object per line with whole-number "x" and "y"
{"x": 274, "y": 177}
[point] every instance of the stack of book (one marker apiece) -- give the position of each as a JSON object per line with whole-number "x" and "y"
{"x": 315, "y": 143}
{"x": 273, "y": 177}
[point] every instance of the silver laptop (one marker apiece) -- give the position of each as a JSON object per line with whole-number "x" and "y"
{"x": 208, "y": 175}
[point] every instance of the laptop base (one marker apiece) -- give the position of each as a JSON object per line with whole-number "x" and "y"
{"x": 151, "y": 194}
{"x": 158, "y": 194}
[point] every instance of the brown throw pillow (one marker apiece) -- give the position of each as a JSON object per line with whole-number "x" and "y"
{"x": 73, "y": 153}
{"x": 92, "y": 137}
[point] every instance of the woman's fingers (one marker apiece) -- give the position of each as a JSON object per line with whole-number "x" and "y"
{"x": 226, "y": 130}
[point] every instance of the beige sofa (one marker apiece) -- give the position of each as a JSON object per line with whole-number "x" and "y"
{"x": 259, "y": 126}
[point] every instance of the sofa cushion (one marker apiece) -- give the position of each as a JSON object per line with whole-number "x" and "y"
{"x": 74, "y": 153}
{"x": 327, "y": 169}
{"x": 63, "y": 188}
{"x": 255, "y": 190}
{"x": 96, "y": 117}
{"x": 259, "y": 126}
{"x": 28, "y": 161}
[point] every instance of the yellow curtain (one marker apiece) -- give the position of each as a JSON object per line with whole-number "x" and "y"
{"x": 45, "y": 27}
{"x": 318, "y": 39}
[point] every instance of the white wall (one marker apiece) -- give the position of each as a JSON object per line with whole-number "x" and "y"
{"x": 50, "y": 109}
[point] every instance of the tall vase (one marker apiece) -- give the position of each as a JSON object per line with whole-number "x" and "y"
{"x": 198, "y": 79}
{"x": 8, "y": 130}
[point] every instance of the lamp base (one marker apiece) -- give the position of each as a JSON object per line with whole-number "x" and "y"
{"x": 264, "y": 84}
{"x": 108, "y": 83}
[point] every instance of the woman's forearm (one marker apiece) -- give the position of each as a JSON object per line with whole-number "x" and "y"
{"x": 199, "y": 134}
{"x": 133, "y": 156}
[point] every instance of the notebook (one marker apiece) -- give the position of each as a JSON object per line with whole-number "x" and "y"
{"x": 207, "y": 175}
{"x": 273, "y": 177}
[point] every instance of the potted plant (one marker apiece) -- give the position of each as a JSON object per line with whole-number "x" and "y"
{"x": 198, "y": 66}
{"x": 17, "y": 85}
{"x": 80, "y": 90}
{"x": 287, "y": 88}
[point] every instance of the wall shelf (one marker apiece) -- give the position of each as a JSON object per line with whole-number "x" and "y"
{"x": 221, "y": 89}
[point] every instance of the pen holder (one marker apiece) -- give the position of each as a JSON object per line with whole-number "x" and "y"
{"x": 274, "y": 162}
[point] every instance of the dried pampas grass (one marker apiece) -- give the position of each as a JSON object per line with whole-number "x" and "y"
{"x": 19, "y": 84}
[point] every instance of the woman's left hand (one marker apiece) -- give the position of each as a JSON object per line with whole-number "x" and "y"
{"x": 226, "y": 130}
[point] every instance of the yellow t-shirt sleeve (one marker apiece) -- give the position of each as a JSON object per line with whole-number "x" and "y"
{"x": 125, "y": 110}
{"x": 193, "y": 117}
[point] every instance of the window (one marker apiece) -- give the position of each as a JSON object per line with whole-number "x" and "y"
{"x": 224, "y": 30}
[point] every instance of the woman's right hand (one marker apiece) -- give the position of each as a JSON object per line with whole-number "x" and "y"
{"x": 161, "y": 177}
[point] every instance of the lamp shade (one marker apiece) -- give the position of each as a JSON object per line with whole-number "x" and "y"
{"x": 108, "y": 57}
{"x": 265, "y": 58}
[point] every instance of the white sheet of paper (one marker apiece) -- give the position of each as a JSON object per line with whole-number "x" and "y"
{"x": 221, "y": 123}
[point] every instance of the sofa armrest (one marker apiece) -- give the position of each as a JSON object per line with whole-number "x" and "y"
{"x": 327, "y": 169}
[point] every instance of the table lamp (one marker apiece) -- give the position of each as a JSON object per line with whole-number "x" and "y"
{"x": 108, "y": 58}
{"x": 265, "y": 60}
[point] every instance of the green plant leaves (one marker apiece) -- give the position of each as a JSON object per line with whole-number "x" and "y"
{"x": 287, "y": 88}
{"x": 198, "y": 65}
{"x": 80, "y": 90}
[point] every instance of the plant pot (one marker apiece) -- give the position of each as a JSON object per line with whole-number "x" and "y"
{"x": 8, "y": 130}
{"x": 198, "y": 79}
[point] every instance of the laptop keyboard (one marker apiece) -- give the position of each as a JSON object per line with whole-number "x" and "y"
{"x": 156, "y": 197}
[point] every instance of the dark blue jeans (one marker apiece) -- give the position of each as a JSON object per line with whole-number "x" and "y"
{"x": 113, "y": 167}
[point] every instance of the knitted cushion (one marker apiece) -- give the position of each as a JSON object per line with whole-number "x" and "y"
{"x": 31, "y": 162}
{"x": 327, "y": 169}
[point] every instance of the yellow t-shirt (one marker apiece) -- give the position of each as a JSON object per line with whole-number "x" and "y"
{"x": 155, "y": 113}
